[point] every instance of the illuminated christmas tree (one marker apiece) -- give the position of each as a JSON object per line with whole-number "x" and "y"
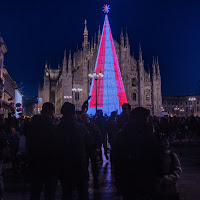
{"x": 107, "y": 89}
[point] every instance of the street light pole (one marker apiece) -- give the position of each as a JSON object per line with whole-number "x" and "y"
{"x": 96, "y": 76}
{"x": 77, "y": 90}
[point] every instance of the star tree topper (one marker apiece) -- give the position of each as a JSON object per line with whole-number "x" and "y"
{"x": 106, "y": 8}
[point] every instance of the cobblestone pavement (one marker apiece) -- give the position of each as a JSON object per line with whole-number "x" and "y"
{"x": 17, "y": 187}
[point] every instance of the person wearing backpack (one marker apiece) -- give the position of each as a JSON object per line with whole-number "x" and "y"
{"x": 167, "y": 186}
{"x": 3, "y": 143}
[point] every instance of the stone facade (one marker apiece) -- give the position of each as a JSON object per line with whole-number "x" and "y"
{"x": 182, "y": 106}
{"x": 7, "y": 84}
{"x": 141, "y": 88}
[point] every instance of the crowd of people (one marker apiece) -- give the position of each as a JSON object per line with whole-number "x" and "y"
{"x": 142, "y": 162}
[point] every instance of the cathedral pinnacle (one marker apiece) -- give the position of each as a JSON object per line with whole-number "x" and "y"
{"x": 99, "y": 34}
{"x": 127, "y": 39}
{"x": 46, "y": 65}
{"x": 158, "y": 69}
{"x": 140, "y": 52}
{"x": 154, "y": 68}
{"x": 85, "y": 30}
{"x": 122, "y": 38}
{"x": 64, "y": 62}
{"x": 65, "y": 54}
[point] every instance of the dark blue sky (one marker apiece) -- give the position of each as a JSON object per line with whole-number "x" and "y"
{"x": 38, "y": 29}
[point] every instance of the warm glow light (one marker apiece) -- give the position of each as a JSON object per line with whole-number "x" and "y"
{"x": 192, "y": 99}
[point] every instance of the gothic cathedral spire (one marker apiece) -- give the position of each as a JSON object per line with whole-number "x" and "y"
{"x": 64, "y": 62}
{"x": 140, "y": 52}
{"x": 127, "y": 39}
{"x": 99, "y": 35}
{"x": 85, "y": 34}
{"x": 122, "y": 38}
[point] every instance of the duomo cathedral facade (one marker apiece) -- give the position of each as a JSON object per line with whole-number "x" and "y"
{"x": 142, "y": 88}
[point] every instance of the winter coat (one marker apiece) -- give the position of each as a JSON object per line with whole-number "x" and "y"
{"x": 137, "y": 158}
{"x": 95, "y": 134}
{"x": 3, "y": 143}
{"x": 41, "y": 145}
{"x": 72, "y": 142}
{"x": 170, "y": 174}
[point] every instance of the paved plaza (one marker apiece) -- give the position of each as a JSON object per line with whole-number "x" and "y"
{"x": 17, "y": 187}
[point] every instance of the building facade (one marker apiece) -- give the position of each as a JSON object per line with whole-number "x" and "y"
{"x": 141, "y": 87}
{"x": 8, "y": 86}
{"x": 182, "y": 106}
{"x": 30, "y": 106}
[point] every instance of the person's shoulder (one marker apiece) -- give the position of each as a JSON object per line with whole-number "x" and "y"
{"x": 92, "y": 124}
{"x": 174, "y": 155}
{"x": 36, "y": 118}
{"x": 81, "y": 125}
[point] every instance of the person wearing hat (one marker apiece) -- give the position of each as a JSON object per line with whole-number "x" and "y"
{"x": 41, "y": 148}
{"x": 137, "y": 156}
{"x": 72, "y": 142}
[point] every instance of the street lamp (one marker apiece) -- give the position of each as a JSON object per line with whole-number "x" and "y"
{"x": 96, "y": 76}
{"x": 77, "y": 90}
{"x": 67, "y": 97}
{"x": 191, "y": 100}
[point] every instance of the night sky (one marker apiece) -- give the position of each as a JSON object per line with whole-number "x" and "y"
{"x": 36, "y": 30}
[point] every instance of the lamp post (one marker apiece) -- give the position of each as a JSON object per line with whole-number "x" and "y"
{"x": 96, "y": 76}
{"x": 191, "y": 100}
{"x": 77, "y": 90}
{"x": 67, "y": 97}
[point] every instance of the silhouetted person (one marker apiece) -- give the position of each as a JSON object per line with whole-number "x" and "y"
{"x": 94, "y": 148}
{"x": 72, "y": 144}
{"x": 13, "y": 141}
{"x": 122, "y": 120}
{"x": 167, "y": 187}
{"x": 84, "y": 107}
{"x": 79, "y": 116}
{"x": 111, "y": 128}
{"x": 42, "y": 153}
{"x": 137, "y": 156}
{"x": 3, "y": 143}
{"x": 100, "y": 121}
